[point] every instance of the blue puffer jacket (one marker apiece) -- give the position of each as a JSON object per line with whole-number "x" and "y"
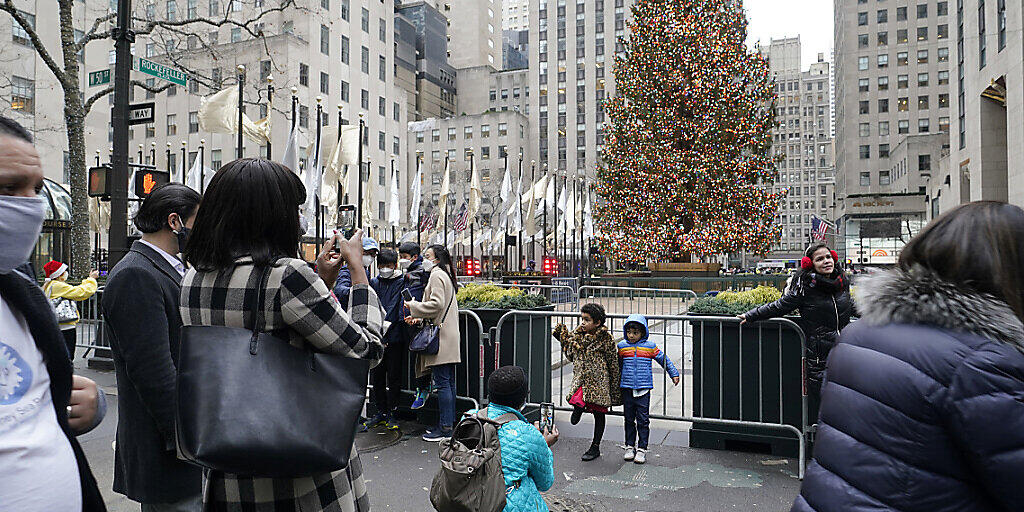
{"x": 525, "y": 458}
{"x": 636, "y": 358}
{"x": 923, "y": 403}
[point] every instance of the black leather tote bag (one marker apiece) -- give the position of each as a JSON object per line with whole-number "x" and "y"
{"x": 249, "y": 403}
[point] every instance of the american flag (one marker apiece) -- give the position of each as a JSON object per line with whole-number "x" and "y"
{"x": 425, "y": 221}
{"x": 820, "y": 228}
{"x": 461, "y": 219}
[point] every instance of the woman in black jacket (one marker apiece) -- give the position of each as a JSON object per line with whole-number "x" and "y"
{"x": 821, "y": 291}
{"x": 922, "y": 408}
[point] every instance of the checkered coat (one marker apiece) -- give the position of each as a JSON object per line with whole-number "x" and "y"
{"x": 299, "y": 308}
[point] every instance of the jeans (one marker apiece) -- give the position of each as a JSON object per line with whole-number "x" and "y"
{"x": 444, "y": 381}
{"x": 70, "y": 339}
{"x": 386, "y": 379}
{"x": 636, "y": 411}
{"x": 193, "y": 504}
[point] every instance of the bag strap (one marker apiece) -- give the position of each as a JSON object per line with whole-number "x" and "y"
{"x": 447, "y": 309}
{"x": 500, "y": 420}
{"x": 259, "y": 321}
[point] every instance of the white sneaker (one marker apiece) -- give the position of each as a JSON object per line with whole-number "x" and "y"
{"x": 641, "y": 456}
{"x": 630, "y": 453}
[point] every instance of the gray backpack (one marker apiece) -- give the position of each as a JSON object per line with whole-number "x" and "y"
{"x": 470, "y": 478}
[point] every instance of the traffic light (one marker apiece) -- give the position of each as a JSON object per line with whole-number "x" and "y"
{"x": 147, "y": 180}
{"x": 550, "y": 266}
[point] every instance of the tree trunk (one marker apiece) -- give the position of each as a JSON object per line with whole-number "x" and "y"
{"x": 74, "y": 117}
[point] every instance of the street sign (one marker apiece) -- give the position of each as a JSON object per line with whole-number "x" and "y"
{"x": 146, "y": 181}
{"x": 141, "y": 113}
{"x": 160, "y": 71}
{"x": 101, "y": 77}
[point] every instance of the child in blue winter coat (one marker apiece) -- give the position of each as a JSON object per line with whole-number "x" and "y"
{"x": 637, "y": 380}
{"x": 387, "y": 376}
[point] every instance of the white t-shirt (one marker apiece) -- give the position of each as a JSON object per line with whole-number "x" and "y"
{"x": 38, "y": 471}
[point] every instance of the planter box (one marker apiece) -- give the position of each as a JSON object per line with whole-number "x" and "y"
{"x": 737, "y": 381}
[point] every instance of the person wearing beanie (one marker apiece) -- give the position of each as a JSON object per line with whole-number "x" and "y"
{"x": 526, "y": 458}
{"x": 343, "y": 285}
{"x": 63, "y": 295}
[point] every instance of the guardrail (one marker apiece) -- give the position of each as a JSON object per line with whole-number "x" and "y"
{"x": 89, "y": 334}
{"x": 558, "y": 294}
{"x": 697, "y": 284}
{"x": 733, "y": 376}
{"x": 644, "y": 301}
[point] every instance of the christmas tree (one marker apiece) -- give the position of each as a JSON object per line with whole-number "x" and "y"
{"x": 687, "y": 163}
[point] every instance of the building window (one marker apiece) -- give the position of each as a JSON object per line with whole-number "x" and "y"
{"x": 922, "y": 102}
{"x": 382, "y": 106}
{"x": 883, "y": 128}
{"x": 344, "y": 9}
{"x": 435, "y": 135}
{"x": 901, "y": 14}
{"x": 944, "y": 124}
{"x": 862, "y": 41}
{"x": 883, "y": 15}
{"x": 883, "y": 83}
{"x": 883, "y": 178}
{"x": 236, "y": 34}
{"x": 303, "y": 75}
{"x": 865, "y": 152}
{"x": 922, "y": 11}
{"x": 1000, "y": 23}
{"x": 864, "y": 85}
{"x": 902, "y": 81}
{"x": 382, "y": 66}
{"x": 942, "y": 32}
{"x": 325, "y": 81}
{"x": 344, "y": 49}
{"x": 865, "y": 107}
{"x": 502, "y": 129}
{"x": 982, "y": 43}
{"x": 883, "y": 39}
{"x": 20, "y": 35}
{"x": 364, "y": 20}
{"x": 943, "y": 54}
{"x": 902, "y": 58}
{"x": 902, "y": 104}
{"x": 901, "y": 36}
{"x": 903, "y": 126}
{"x": 883, "y": 61}
{"x": 451, "y": 133}
{"x": 883, "y": 151}
{"x": 865, "y": 179}
{"x": 468, "y": 133}
{"x": 942, "y": 9}
{"x": 364, "y": 65}
{"x": 922, "y": 56}
{"x": 862, "y": 63}
{"x": 172, "y": 124}
{"x": 485, "y": 152}
{"x": 23, "y": 95}
{"x": 303, "y": 116}
{"x": 364, "y": 99}
{"x": 216, "y": 159}
{"x": 924, "y": 163}
{"x": 922, "y": 33}
{"x": 922, "y": 79}
{"x": 193, "y": 122}
{"x": 923, "y": 126}
{"x": 344, "y": 91}
{"x": 864, "y": 129}
{"x": 862, "y": 19}
{"x": 944, "y": 100}
{"x": 383, "y": 36}
{"x": 883, "y": 106}
{"x": 485, "y": 131}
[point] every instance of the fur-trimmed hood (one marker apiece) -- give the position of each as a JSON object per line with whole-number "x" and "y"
{"x": 919, "y": 296}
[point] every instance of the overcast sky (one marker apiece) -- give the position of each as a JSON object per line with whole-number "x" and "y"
{"x": 810, "y": 19}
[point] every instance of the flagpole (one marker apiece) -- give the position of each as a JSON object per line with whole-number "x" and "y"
{"x": 167, "y": 154}
{"x": 419, "y": 163}
{"x": 184, "y": 163}
{"x": 270, "y": 111}
{"x": 572, "y": 235}
{"x": 579, "y": 252}
{"x": 519, "y": 244}
{"x": 472, "y": 245}
{"x": 359, "y": 188}
{"x": 533, "y": 185}
{"x": 394, "y": 241}
{"x": 241, "y": 84}
{"x": 565, "y": 240}
{"x": 446, "y": 201}
{"x": 317, "y": 231}
{"x": 504, "y": 241}
{"x": 544, "y": 214}
{"x": 554, "y": 226}
{"x": 341, "y": 122}
{"x": 202, "y": 165}
{"x": 295, "y": 106}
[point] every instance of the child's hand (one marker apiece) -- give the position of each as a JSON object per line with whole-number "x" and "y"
{"x": 675, "y": 380}
{"x": 413, "y": 321}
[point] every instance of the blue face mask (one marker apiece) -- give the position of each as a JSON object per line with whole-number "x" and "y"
{"x": 21, "y": 220}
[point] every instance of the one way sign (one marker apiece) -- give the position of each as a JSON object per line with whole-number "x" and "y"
{"x": 141, "y": 113}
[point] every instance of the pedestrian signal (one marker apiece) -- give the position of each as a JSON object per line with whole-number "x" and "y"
{"x": 550, "y": 266}
{"x": 99, "y": 183}
{"x": 146, "y": 181}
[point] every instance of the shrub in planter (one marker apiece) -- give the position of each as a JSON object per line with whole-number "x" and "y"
{"x": 489, "y": 296}
{"x": 735, "y": 303}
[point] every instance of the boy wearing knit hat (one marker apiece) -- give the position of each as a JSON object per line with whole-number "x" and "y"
{"x": 62, "y": 296}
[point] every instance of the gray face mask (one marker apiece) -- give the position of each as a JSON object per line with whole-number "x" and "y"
{"x": 21, "y": 220}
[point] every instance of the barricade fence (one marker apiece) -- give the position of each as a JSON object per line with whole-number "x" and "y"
{"x": 562, "y": 296}
{"x": 733, "y": 379}
{"x": 89, "y": 334}
{"x": 700, "y": 285}
{"x": 644, "y": 301}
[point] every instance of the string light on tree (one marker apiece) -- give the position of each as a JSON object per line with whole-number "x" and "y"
{"x": 688, "y": 163}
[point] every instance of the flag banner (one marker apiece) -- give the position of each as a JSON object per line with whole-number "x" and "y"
{"x": 194, "y": 174}
{"x": 349, "y": 145}
{"x": 476, "y": 195}
{"x": 820, "y": 228}
{"x": 446, "y": 189}
{"x": 588, "y": 218}
{"x": 549, "y": 196}
{"x": 218, "y": 113}
{"x": 393, "y": 210}
{"x": 291, "y": 150}
{"x": 408, "y": 236}
{"x": 416, "y": 192}
{"x": 461, "y": 219}
{"x": 537, "y": 190}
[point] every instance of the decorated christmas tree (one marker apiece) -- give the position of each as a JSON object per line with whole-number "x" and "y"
{"x": 688, "y": 163}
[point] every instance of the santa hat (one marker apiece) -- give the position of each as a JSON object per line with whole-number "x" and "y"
{"x": 54, "y": 269}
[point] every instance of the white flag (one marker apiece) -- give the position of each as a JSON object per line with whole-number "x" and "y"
{"x": 561, "y": 208}
{"x": 313, "y": 177}
{"x": 588, "y": 218}
{"x": 570, "y": 211}
{"x": 196, "y": 173}
{"x": 393, "y": 212}
{"x": 475, "y": 194}
{"x": 549, "y": 196}
{"x": 416, "y": 193}
{"x": 505, "y": 194}
{"x": 291, "y": 150}
{"x": 446, "y": 190}
{"x": 537, "y": 190}
{"x": 218, "y": 113}
{"x": 530, "y": 228}
{"x": 517, "y": 209}
{"x": 349, "y": 154}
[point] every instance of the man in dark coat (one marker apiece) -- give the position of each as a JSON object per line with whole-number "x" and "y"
{"x": 140, "y": 304}
{"x": 42, "y": 405}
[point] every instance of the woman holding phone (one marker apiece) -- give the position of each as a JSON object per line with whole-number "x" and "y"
{"x": 440, "y": 306}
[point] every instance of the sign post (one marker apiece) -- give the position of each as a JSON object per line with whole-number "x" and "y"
{"x": 101, "y": 77}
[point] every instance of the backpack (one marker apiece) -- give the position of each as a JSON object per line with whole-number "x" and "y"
{"x": 470, "y": 478}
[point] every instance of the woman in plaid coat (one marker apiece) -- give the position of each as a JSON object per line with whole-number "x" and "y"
{"x": 229, "y": 246}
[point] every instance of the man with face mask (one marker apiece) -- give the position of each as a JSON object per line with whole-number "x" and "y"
{"x": 344, "y": 283}
{"x": 386, "y": 377}
{"x": 42, "y": 405}
{"x": 140, "y": 305}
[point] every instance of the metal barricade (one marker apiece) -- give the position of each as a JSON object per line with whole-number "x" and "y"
{"x": 571, "y": 282}
{"x": 563, "y": 297}
{"x": 732, "y": 376}
{"x": 89, "y": 333}
{"x": 644, "y": 301}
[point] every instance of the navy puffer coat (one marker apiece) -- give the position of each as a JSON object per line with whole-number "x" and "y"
{"x": 923, "y": 403}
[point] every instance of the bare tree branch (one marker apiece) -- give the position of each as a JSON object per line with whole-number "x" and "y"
{"x": 151, "y": 25}
{"x": 87, "y": 107}
{"x": 92, "y": 35}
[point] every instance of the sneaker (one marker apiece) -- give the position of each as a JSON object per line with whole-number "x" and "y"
{"x": 641, "y": 456}
{"x": 630, "y": 453}
{"x": 421, "y": 398}
{"x": 390, "y": 423}
{"x": 576, "y": 415}
{"x": 591, "y": 454}
{"x": 376, "y": 421}
{"x": 437, "y": 434}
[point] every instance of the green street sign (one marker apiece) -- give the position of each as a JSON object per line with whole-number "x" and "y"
{"x": 160, "y": 71}
{"x": 101, "y": 77}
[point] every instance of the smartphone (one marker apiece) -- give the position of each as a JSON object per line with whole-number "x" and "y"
{"x": 346, "y": 222}
{"x": 407, "y": 295}
{"x": 547, "y": 416}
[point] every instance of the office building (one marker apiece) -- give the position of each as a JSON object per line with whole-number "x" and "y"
{"x": 986, "y": 160}
{"x": 484, "y": 89}
{"x": 893, "y": 69}
{"x": 515, "y": 49}
{"x": 803, "y": 142}
{"x": 424, "y": 72}
{"x": 515, "y": 15}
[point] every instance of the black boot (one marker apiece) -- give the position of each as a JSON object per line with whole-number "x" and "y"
{"x": 577, "y": 413}
{"x": 593, "y": 453}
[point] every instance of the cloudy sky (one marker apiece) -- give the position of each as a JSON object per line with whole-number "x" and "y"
{"x": 810, "y": 19}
